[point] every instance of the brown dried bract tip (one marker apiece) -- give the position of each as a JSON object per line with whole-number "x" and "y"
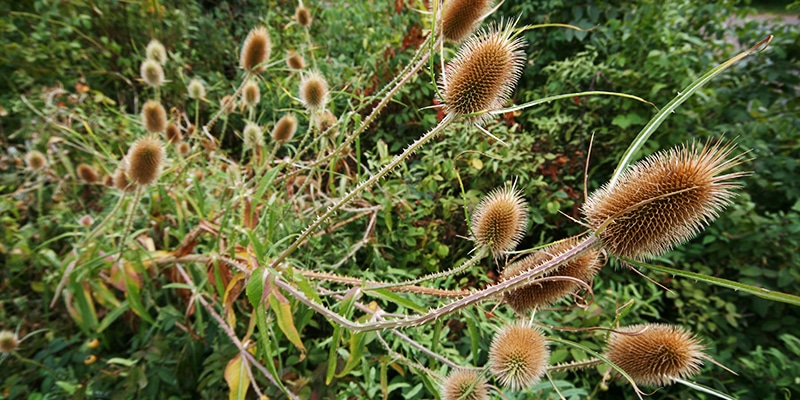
{"x": 144, "y": 160}
{"x": 154, "y": 116}
{"x": 86, "y": 173}
{"x": 464, "y": 384}
{"x": 500, "y": 219}
{"x": 285, "y": 128}
{"x": 462, "y": 17}
{"x": 303, "y": 16}
{"x": 664, "y": 200}
{"x": 152, "y": 73}
{"x": 295, "y": 61}
{"x": 540, "y": 294}
{"x": 656, "y": 356}
{"x": 8, "y": 342}
{"x": 155, "y": 51}
{"x": 518, "y": 356}
{"x": 173, "y": 133}
{"x": 314, "y": 91}
{"x": 35, "y": 160}
{"x": 251, "y": 94}
{"x": 255, "y": 50}
{"x": 484, "y": 73}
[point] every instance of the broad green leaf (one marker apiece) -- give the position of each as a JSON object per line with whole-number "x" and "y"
{"x": 255, "y": 286}
{"x": 283, "y": 314}
{"x": 397, "y": 299}
{"x": 357, "y": 343}
{"x": 265, "y": 345}
{"x": 237, "y": 377}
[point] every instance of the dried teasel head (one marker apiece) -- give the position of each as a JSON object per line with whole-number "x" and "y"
{"x": 227, "y": 104}
{"x": 8, "y": 342}
{"x": 173, "y": 133}
{"x": 462, "y": 17}
{"x": 86, "y": 173}
{"x": 500, "y": 219}
{"x": 464, "y": 384}
{"x": 664, "y": 200}
{"x": 295, "y": 61}
{"x": 303, "y": 16}
{"x": 184, "y": 149}
{"x": 253, "y": 135}
{"x": 656, "y": 356}
{"x": 154, "y": 116}
{"x": 196, "y": 89}
{"x": 325, "y": 120}
{"x": 121, "y": 181}
{"x": 152, "y": 73}
{"x": 314, "y": 91}
{"x": 144, "y": 160}
{"x": 35, "y": 160}
{"x": 285, "y": 128}
{"x": 518, "y": 356}
{"x": 541, "y": 294}
{"x": 155, "y": 51}
{"x": 484, "y": 73}
{"x": 251, "y": 94}
{"x": 255, "y": 50}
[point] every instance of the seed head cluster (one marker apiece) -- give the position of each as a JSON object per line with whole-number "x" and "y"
{"x": 173, "y": 133}
{"x": 518, "y": 356}
{"x": 462, "y": 17}
{"x": 155, "y": 51}
{"x": 144, "y": 160}
{"x": 152, "y": 73}
{"x": 8, "y": 342}
{"x": 314, "y": 91}
{"x": 253, "y": 135}
{"x": 464, "y": 384}
{"x": 154, "y": 116}
{"x": 255, "y": 50}
{"x": 251, "y": 94}
{"x": 196, "y": 89}
{"x": 295, "y": 61}
{"x": 285, "y": 128}
{"x": 500, "y": 219}
{"x": 86, "y": 173}
{"x": 303, "y": 16}
{"x": 35, "y": 160}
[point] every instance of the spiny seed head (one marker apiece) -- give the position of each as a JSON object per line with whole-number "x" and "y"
{"x": 255, "y": 50}
{"x": 86, "y": 173}
{"x": 155, "y": 51}
{"x": 35, "y": 160}
{"x": 121, "y": 181}
{"x": 144, "y": 160}
{"x": 325, "y": 120}
{"x": 184, "y": 149}
{"x": 227, "y": 104}
{"x": 314, "y": 91}
{"x": 464, "y": 384}
{"x": 658, "y": 355}
{"x": 500, "y": 219}
{"x": 8, "y": 342}
{"x": 253, "y": 136}
{"x": 540, "y": 294}
{"x": 484, "y": 73}
{"x": 285, "y": 128}
{"x": 518, "y": 356}
{"x": 154, "y": 116}
{"x": 196, "y": 89}
{"x": 173, "y": 133}
{"x": 462, "y": 17}
{"x": 86, "y": 221}
{"x": 303, "y": 16}
{"x": 152, "y": 73}
{"x": 664, "y": 200}
{"x": 251, "y": 94}
{"x": 295, "y": 61}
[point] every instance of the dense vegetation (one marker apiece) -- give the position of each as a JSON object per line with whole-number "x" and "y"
{"x": 119, "y": 298}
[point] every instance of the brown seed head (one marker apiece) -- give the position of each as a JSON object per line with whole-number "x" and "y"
{"x": 173, "y": 133}
{"x": 154, "y": 116}
{"x": 196, "y": 89}
{"x": 227, "y": 104}
{"x": 303, "y": 16}
{"x": 541, "y": 294}
{"x": 325, "y": 120}
{"x": 152, "y": 73}
{"x": 144, "y": 160}
{"x": 500, "y": 219}
{"x": 255, "y": 50}
{"x": 35, "y": 160}
{"x": 86, "y": 173}
{"x": 664, "y": 200}
{"x": 121, "y": 181}
{"x": 155, "y": 51}
{"x": 464, "y": 384}
{"x": 8, "y": 342}
{"x": 184, "y": 149}
{"x": 518, "y": 356}
{"x": 251, "y": 94}
{"x": 285, "y": 128}
{"x": 462, "y": 17}
{"x": 86, "y": 221}
{"x": 658, "y": 355}
{"x": 314, "y": 91}
{"x": 295, "y": 61}
{"x": 484, "y": 73}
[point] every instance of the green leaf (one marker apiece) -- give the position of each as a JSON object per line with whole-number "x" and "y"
{"x": 357, "y": 343}
{"x": 347, "y": 307}
{"x": 255, "y": 286}
{"x": 266, "y": 347}
{"x": 397, "y": 299}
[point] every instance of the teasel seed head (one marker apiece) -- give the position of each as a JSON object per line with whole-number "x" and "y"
{"x": 152, "y": 73}
{"x": 8, "y": 342}
{"x": 227, "y": 104}
{"x": 121, "y": 181}
{"x": 500, "y": 220}
{"x": 464, "y": 384}
{"x": 462, "y": 17}
{"x": 325, "y": 120}
{"x": 251, "y": 94}
{"x": 658, "y": 355}
{"x": 154, "y": 116}
{"x": 663, "y": 200}
{"x": 295, "y": 61}
{"x": 196, "y": 89}
{"x": 255, "y": 50}
{"x": 314, "y": 91}
{"x": 184, "y": 149}
{"x": 155, "y": 51}
{"x": 541, "y": 294}
{"x": 284, "y": 129}
{"x": 86, "y": 173}
{"x": 173, "y": 133}
{"x": 86, "y": 221}
{"x": 518, "y": 356}
{"x": 303, "y": 16}
{"x": 484, "y": 73}
{"x": 35, "y": 160}
{"x": 253, "y": 135}
{"x": 145, "y": 158}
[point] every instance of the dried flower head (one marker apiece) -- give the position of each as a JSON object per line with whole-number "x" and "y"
{"x": 664, "y": 200}
{"x": 462, "y": 17}
{"x": 303, "y": 16}
{"x": 295, "y": 61}
{"x": 285, "y": 128}
{"x": 196, "y": 89}
{"x": 154, "y": 116}
{"x": 325, "y": 120}
{"x": 86, "y": 173}
{"x": 173, "y": 133}
{"x": 184, "y": 149}
{"x": 251, "y": 94}
{"x": 253, "y": 136}
{"x": 35, "y": 160}
{"x": 314, "y": 91}
{"x": 540, "y": 294}
{"x": 8, "y": 342}
{"x": 464, "y": 384}
{"x": 227, "y": 104}
{"x": 500, "y": 219}
{"x": 658, "y": 355}
{"x": 155, "y": 51}
{"x": 255, "y": 50}
{"x": 518, "y": 356}
{"x": 152, "y": 73}
{"x": 144, "y": 158}
{"x": 86, "y": 221}
{"x": 121, "y": 181}
{"x": 484, "y": 73}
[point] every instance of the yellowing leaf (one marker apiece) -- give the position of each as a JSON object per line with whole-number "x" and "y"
{"x": 283, "y": 312}
{"x": 237, "y": 378}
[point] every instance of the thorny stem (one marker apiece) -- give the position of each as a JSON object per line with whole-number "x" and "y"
{"x": 480, "y": 254}
{"x": 223, "y": 107}
{"x": 378, "y": 285}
